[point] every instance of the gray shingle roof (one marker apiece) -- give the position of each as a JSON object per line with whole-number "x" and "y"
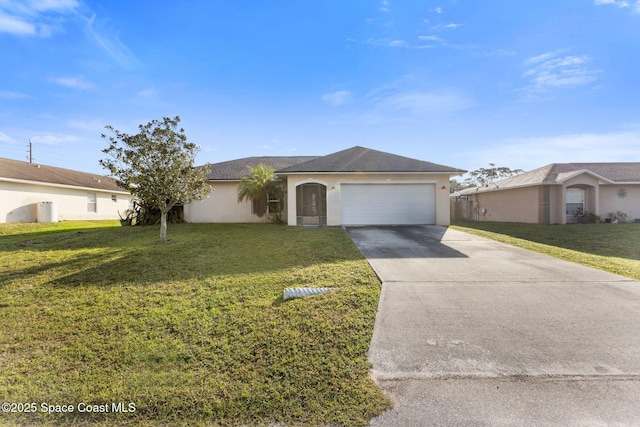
{"x": 556, "y": 173}
{"x": 615, "y": 172}
{"x": 233, "y": 170}
{"x": 360, "y": 159}
{"x": 16, "y": 169}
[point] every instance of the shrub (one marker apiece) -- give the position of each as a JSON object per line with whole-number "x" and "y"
{"x": 587, "y": 218}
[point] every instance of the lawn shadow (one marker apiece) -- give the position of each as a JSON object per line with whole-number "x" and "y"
{"x": 193, "y": 251}
{"x": 77, "y": 263}
{"x": 607, "y": 240}
{"x": 70, "y": 238}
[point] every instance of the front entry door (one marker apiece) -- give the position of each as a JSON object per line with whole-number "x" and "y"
{"x": 311, "y": 204}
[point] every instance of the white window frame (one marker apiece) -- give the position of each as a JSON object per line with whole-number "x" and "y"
{"x": 92, "y": 203}
{"x": 577, "y": 207}
{"x": 269, "y": 201}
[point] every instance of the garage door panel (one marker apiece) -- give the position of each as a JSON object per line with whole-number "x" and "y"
{"x": 381, "y": 204}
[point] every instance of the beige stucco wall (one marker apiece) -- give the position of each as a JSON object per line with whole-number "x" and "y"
{"x": 221, "y": 205}
{"x": 610, "y": 202}
{"x": 512, "y": 205}
{"x": 584, "y": 179}
{"x": 18, "y": 202}
{"x": 521, "y": 204}
{"x": 556, "y": 201}
{"x": 333, "y": 182}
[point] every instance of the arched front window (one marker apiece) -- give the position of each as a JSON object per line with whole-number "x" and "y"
{"x": 311, "y": 204}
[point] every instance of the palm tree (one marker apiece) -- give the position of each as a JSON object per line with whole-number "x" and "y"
{"x": 259, "y": 186}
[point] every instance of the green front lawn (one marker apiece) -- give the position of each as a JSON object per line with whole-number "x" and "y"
{"x": 609, "y": 247}
{"x": 191, "y": 332}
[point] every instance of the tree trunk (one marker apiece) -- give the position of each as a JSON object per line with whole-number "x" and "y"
{"x": 163, "y": 226}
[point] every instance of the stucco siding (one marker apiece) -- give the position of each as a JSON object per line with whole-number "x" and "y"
{"x": 526, "y": 205}
{"x": 221, "y": 205}
{"x": 582, "y": 179}
{"x": 512, "y": 205}
{"x": 19, "y": 202}
{"x": 559, "y": 193}
{"x": 556, "y": 201}
{"x": 610, "y": 202}
{"x": 333, "y": 183}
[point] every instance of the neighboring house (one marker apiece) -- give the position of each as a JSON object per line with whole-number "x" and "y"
{"x": 357, "y": 186}
{"x": 557, "y": 193}
{"x": 38, "y": 193}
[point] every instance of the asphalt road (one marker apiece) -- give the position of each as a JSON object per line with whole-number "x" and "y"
{"x": 477, "y": 333}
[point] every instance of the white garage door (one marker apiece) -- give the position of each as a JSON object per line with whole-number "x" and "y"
{"x": 379, "y": 204}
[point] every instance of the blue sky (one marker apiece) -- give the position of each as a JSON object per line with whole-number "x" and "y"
{"x": 461, "y": 83}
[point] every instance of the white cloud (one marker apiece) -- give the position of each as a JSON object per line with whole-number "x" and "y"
{"x": 404, "y": 99}
{"x": 112, "y": 44}
{"x": 9, "y": 94}
{"x": 396, "y": 43}
{"x": 36, "y": 17}
{"x": 635, "y": 5}
{"x": 430, "y": 38}
{"x": 6, "y": 138}
{"x": 341, "y": 97}
{"x": 147, "y": 93}
{"x": 421, "y": 103}
{"x": 449, "y": 26}
{"x": 548, "y": 71}
{"x": 93, "y": 126}
{"x": 534, "y": 152}
{"x": 73, "y": 82}
{"x": 53, "y": 139}
{"x": 16, "y": 26}
{"x": 43, "y": 17}
{"x": 386, "y": 42}
{"x": 499, "y": 52}
{"x": 46, "y": 5}
{"x": 541, "y": 58}
{"x": 437, "y": 41}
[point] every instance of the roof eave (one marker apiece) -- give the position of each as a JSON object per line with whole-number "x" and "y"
{"x": 53, "y": 184}
{"x": 493, "y": 188}
{"x": 624, "y": 183}
{"x": 458, "y": 172}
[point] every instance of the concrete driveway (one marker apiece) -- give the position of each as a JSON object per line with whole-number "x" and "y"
{"x": 477, "y": 333}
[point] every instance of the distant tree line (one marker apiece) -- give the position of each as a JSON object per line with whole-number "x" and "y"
{"x": 483, "y": 177}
